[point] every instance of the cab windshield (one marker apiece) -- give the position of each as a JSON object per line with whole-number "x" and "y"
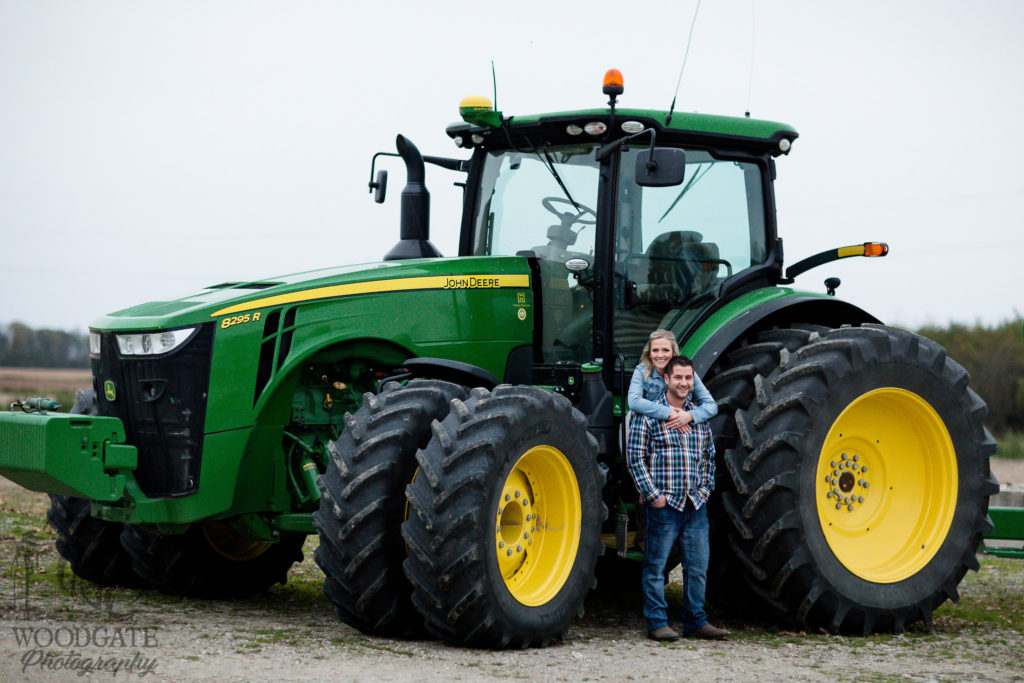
{"x": 673, "y": 246}
{"x": 540, "y": 201}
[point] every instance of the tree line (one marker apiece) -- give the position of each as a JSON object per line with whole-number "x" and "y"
{"x": 993, "y": 355}
{"x": 995, "y": 358}
{"x": 21, "y": 346}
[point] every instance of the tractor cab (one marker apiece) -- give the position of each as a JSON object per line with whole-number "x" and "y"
{"x": 633, "y": 219}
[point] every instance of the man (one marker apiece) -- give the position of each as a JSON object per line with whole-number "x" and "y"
{"x": 674, "y": 473}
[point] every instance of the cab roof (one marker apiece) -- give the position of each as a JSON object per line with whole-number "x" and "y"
{"x": 566, "y": 127}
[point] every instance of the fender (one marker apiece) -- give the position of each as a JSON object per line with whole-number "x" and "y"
{"x": 764, "y": 308}
{"x": 466, "y": 374}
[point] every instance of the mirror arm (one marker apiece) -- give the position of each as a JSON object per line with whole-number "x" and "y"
{"x": 373, "y": 164}
{"x": 449, "y": 163}
{"x": 606, "y": 150}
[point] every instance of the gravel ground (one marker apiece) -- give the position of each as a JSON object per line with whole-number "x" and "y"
{"x": 291, "y": 634}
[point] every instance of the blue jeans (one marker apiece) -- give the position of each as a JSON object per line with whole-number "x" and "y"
{"x": 667, "y": 526}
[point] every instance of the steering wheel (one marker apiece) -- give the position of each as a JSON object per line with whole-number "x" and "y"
{"x": 567, "y": 217}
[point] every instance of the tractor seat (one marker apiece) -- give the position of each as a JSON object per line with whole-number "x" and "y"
{"x": 680, "y": 266}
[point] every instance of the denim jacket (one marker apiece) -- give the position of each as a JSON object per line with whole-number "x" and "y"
{"x": 643, "y": 394}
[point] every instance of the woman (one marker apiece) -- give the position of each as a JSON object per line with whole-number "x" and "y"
{"x": 648, "y": 385}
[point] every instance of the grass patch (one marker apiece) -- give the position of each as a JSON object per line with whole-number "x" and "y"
{"x": 990, "y": 599}
{"x": 1010, "y": 445}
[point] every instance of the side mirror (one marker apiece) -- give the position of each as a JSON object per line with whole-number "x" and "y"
{"x": 660, "y": 167}
{"x": 380, "y": 186}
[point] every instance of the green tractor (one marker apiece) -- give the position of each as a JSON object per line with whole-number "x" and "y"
{"x": 452, "y": 427}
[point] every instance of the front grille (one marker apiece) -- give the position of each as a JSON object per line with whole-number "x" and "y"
{"x": 162, "y": 402}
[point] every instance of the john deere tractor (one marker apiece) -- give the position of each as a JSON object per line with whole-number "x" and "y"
{"x": 452, "y": 427}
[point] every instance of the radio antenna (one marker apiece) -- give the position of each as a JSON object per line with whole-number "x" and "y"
{"x": 683, "y": 67}
{"x": 753, "y": 45}
{"x": 494, "y": 80}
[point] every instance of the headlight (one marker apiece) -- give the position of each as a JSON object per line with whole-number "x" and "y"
{"x": 152, "y": 343}
{"x": 94, "y": 343}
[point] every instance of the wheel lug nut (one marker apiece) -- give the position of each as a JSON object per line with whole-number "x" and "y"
{"x": 508, "y": 497}
{"x": 832, "y": 464}
{"x": 828, "y": 495}
{"x": 501, "y": 544}
{"x": 856, "y": 458}
{"x": 864, "y": 469}
{"x": 850, "y": 508}
{"x": 509, "y": 551}
{"x": 519, "y": 548}
{"x": 844, "y": 456}
{"x": 839, "y": 506}
{"x": 518, "y": 494}
{"x": 865, "y": 484}
{"x": 860, "y": 499}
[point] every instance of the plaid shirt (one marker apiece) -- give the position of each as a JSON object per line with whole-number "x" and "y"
{"x": 667, "y": 462}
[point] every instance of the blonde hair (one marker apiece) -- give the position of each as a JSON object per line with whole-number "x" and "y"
{"x": 645, "y": 356}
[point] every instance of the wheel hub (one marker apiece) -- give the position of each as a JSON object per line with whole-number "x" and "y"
{"x": 224, "y": 539}
{"x": 847, "y": 483}
{"x": 886, "y": 485}
{"x": 537, "y": 525}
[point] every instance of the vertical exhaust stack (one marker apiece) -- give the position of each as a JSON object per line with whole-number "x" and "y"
{"x": 414, "y": 239}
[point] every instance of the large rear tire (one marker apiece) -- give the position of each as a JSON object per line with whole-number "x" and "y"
{"x": 504, "y": 527}
{"x": 91, "y": 546}
{"x": 731, "y": 383}
{"x": 861, "y": 481}
{"x": 363, "y": 505}
{"x": 210, "y": 560}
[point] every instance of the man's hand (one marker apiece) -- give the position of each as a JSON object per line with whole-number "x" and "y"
{"x": 660, "y": 502}
{"x": 679, "y": 419}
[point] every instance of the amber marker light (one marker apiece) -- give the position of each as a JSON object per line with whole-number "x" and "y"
{"x": 876, "y": 248}
{"x": 612, "y": 82}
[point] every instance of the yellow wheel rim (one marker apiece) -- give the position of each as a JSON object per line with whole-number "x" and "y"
{"x": 537, "y": 525}
{"x": 227, "y": 542}
{"x": 886, "y": 485}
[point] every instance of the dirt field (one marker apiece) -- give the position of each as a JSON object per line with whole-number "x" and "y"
{"x": 291, "y": 634}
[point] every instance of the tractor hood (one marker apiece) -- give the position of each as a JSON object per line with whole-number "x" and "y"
{"x": 219, "y": 302}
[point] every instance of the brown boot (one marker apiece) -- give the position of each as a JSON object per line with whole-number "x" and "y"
{"x": 708, "y": 632}
{"x": 663, "y": 634}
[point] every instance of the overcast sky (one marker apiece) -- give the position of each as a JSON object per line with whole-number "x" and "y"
{"x": 148, "y": 149}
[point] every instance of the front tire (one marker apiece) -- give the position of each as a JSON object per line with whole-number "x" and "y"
{"x": 210, "y": 560}
{"x": 363, "y": 505}
{"x": 504, "y": 528}
{"x": 861, "y": 481}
